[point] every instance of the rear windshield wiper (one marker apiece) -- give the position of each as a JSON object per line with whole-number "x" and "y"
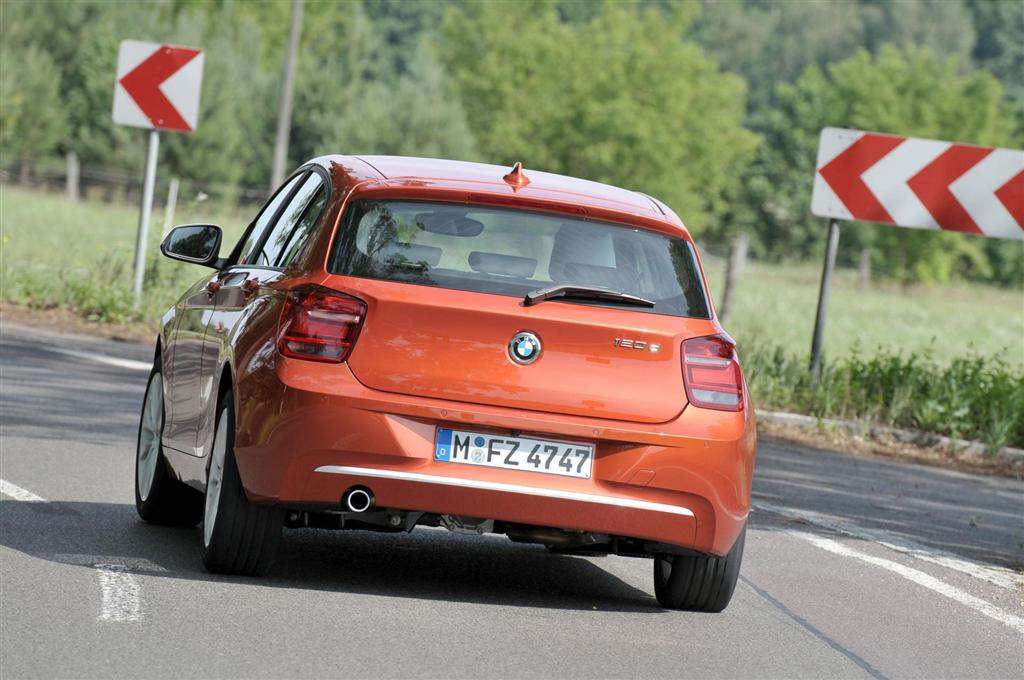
{"x": 579, "y": 292}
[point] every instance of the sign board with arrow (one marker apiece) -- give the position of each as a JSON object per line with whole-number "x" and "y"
{"x": 919, "y": 183}
{"x": 915, "y": 183}
{"x": 157, "y": 88}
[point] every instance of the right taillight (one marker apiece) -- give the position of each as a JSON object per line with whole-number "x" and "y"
{"x": 711, "y": 373}
{"x": 319, "y": 324}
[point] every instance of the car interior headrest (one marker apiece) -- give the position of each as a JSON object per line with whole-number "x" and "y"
{"x": 410, "y": 253}
{"x": 503, "y": 265}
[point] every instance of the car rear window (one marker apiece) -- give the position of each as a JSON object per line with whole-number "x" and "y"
{"x": 512, "y": 252}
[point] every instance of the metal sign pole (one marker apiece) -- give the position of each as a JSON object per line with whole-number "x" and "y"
{"x": 826, "y": 278}
{"x": 144, "y": 214}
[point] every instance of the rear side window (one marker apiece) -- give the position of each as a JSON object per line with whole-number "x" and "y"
{"x": 276, "y": 243}
{"x": 513, "y": 252}
{"x": 304, "y": 228}
{"x": 265, "y": 218}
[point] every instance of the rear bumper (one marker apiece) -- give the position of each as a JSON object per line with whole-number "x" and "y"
{"x": 686, "y": 482}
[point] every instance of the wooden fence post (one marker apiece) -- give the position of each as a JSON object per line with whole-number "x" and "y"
{"x": 864, "y": 269}
{"x": 733, "y": 270}
{"x": 73, "y": 171}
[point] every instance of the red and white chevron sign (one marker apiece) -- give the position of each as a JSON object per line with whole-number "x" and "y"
{"x": 919, "y": 183}
{"x": 158, "y": 86}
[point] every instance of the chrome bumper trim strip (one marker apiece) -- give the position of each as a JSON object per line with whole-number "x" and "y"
{"x": 508, "y": 488}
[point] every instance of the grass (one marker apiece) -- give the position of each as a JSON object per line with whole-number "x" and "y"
{"x": 776, "y": 304}
{"x": 946, "y": 359}
{"x": 55, "y": 252}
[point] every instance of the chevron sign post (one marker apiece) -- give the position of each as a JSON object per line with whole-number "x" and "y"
{"x": 915, "y": 183}
{"x": 157, "y": 89}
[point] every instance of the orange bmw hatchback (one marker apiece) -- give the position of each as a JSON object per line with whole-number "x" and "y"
{"x": 405, "y": 342}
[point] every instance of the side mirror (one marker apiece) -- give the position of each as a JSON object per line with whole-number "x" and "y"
{"x": 195, "y": 243}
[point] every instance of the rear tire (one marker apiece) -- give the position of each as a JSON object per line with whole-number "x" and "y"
{"x": 701, "y": 583}
{"x": 238, "y": 537}
{"x": 159, "y": 497}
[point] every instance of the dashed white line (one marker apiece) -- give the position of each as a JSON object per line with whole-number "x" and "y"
{"x": 17, "y": 493}
{"x": 120, "y": 592}
{"x": 119, "y": 589}
{"x": 102, "y": 358}
{"x": 918, "y": 577}
{"x": 1004, "y": 578}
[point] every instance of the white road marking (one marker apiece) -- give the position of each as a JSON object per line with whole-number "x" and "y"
{"x": 1002, "y": 577}
{"x": 120, "y": 592}
{"x": 118, "y": 587}
{"x": 918, "y": 577}
{"x": 102, "y": 358}
{"x": 17, "y": 493}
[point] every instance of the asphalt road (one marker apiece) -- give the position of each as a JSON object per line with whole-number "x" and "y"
{"x": 854, "y": 567}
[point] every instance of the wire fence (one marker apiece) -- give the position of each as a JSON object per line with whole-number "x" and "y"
{"x": 117, "y": 187}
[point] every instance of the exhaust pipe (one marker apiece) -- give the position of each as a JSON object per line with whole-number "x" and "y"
{"x": 357, "y": 499}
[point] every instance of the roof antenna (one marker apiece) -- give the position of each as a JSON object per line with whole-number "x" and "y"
{"x": 516, "y": 179}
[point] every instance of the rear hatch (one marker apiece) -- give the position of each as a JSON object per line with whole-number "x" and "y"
{"x": 445, "y": 286}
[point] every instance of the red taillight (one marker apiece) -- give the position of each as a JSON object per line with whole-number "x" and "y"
{"x": 711, "y": 373}
{"x": 320, "y": 324}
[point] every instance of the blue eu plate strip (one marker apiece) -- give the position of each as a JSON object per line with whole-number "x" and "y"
{"x": 443, "y": 448}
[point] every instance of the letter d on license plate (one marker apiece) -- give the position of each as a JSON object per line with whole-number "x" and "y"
{"x": 569, "y": 459}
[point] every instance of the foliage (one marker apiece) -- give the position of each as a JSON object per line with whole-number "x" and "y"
{"x": 1000, "y": 43}
{"x": 973, "y": 397}
{"x": 619, "y": 98}
{"x": 31, "y": 117}
{"x": 774, "y": 42}
{"x": 368, "y": 105}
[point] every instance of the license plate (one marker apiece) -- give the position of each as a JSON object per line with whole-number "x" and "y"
{"x": 569, "y": 459}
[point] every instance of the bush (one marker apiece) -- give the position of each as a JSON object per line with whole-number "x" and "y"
{"x": 972, "y": 397}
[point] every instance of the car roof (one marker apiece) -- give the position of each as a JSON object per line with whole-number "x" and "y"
{"x": 444, "y": 173}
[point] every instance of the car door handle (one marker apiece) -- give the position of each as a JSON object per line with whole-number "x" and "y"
{"x": 212, "y": 287}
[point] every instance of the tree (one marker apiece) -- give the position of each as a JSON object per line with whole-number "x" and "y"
{"x": 354, "y": 97}
{"x": 32, "y": 118}
{"x": 1000, "y": 44}
{"x": 772, "y": 41}
{"x": 906, "y": 92}
{"x": 620, "y": 98}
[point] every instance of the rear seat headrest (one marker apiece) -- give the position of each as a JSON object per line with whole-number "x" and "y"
{"x": 503, "y": 265}
{"x": 397, "y": 253}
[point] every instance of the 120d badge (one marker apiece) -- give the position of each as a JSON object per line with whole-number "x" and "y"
{"x": 637, "y": 344}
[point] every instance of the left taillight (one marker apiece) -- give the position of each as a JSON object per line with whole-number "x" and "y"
{"x": 711, "y": 373}
{"x": 320, "y": 324}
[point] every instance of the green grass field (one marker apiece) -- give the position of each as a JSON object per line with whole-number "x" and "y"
{"x": 80, "y": 254}
{"x": 776, "y": 304}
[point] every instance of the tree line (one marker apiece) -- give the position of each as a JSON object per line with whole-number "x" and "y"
{"x": 714, "y": 106}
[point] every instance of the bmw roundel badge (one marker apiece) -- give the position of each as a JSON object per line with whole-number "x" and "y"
{"x": 524, "y": 348}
